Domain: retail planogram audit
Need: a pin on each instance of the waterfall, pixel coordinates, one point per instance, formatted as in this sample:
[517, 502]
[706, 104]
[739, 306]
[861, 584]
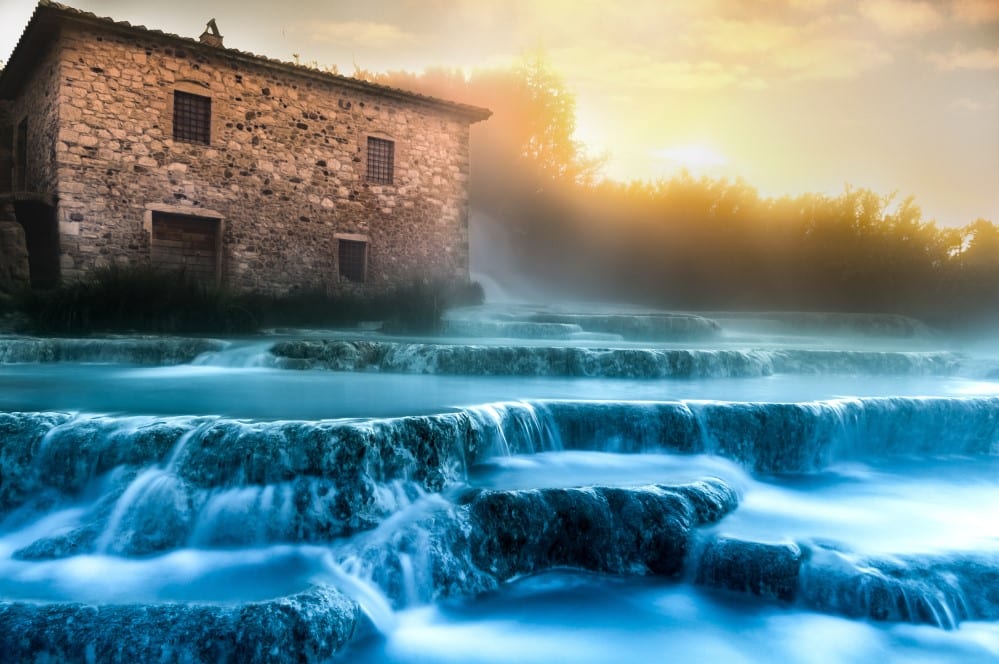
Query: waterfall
[347, 524]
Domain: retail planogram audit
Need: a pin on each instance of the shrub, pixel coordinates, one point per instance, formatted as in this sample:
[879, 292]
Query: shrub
[132, 299]
[143, 299]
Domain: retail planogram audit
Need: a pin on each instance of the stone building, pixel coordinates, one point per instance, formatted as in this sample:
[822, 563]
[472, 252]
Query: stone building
[125, 145]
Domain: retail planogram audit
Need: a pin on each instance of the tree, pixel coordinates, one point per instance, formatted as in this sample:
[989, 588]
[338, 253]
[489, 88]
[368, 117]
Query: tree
[698, 243]
[550, 124]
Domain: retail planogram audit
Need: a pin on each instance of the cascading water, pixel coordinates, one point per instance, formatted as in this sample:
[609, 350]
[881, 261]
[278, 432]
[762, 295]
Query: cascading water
[723, 504]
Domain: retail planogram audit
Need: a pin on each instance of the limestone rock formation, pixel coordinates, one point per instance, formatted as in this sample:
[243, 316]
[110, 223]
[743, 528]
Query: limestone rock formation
[308, 627]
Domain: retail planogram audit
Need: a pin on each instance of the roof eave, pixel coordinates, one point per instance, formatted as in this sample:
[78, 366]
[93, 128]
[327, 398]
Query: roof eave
[18, 66]
[49, 14]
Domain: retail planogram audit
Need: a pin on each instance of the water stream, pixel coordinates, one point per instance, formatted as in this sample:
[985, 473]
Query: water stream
[830, 506]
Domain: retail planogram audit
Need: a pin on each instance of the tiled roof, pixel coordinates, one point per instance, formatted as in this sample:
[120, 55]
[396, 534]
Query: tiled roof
[49, 13]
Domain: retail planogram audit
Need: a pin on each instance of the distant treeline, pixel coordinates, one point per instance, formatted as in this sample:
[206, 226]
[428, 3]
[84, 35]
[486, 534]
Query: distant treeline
[698, 243]
[704, 244]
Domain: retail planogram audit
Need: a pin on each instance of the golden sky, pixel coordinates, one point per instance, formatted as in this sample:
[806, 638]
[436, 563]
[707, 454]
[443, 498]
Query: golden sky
[791, 95]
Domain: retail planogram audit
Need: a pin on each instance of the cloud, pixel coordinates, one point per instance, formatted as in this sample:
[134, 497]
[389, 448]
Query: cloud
[643, 70]
[719, 54]
[976, 11]
[831, 58]
[980, 59]
[754, 83]
[746, 37]
[366, 34]
[771, 9]
[821, 47]
[901, 17]
[969, 105]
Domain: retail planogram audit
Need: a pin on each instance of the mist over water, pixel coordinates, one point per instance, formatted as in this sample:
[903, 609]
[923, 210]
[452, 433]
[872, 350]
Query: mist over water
[493, 257]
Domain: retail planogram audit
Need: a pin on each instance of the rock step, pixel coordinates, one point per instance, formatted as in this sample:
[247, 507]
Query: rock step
[150, 351]
[633, 363]
[483, 540]
[936, 589]
[55, 454]
[308, 627]
[487, 537]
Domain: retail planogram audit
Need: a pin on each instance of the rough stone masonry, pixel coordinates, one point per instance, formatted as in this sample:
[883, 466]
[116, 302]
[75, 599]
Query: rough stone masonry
[130, 146]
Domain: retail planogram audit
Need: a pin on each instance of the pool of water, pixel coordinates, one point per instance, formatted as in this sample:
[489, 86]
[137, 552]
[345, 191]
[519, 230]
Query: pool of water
[572, 617]
[264, 393]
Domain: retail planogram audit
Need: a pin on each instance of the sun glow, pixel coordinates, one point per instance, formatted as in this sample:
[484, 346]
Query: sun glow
[698, 159]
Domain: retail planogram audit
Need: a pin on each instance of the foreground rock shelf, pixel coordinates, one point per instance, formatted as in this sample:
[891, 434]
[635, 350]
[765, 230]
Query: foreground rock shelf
[487, 539]
[309, 627]
[289, 541]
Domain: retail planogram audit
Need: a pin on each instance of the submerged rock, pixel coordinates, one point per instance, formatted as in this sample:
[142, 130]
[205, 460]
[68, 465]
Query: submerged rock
[935, 589]
[623, 531]
[940, 589]
[308, 627]
[765, 570]
[490, 536]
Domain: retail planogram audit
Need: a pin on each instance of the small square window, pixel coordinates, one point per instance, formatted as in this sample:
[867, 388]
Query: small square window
[381, 160]
[353, 256]
[192, 118]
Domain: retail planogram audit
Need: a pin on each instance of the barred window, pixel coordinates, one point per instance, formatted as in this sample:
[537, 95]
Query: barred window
[192, 118]
[353, 256]
[381, 158]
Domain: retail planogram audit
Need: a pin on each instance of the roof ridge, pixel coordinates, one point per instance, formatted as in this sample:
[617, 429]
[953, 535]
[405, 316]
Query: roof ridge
[475, 113]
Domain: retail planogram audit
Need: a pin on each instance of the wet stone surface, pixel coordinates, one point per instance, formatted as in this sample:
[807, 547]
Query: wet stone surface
[309, 627]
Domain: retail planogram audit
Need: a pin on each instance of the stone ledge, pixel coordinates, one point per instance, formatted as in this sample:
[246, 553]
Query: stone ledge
[309, 627]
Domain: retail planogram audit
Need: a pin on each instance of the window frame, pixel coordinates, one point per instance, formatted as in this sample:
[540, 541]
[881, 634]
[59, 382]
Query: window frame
[379, 165]
[348, 270]
[204, 134]
[208, 219]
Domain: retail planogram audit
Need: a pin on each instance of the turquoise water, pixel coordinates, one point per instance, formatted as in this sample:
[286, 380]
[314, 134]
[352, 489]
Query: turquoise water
[222, 482]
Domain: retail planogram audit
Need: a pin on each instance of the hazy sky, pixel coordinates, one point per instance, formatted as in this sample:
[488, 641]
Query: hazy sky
[792, 95]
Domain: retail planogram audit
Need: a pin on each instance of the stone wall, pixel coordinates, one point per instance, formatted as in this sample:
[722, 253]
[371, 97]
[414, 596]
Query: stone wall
[284, 171]
[38, 103]
[6, 148]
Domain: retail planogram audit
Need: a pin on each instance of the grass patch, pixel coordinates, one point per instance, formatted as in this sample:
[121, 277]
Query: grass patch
[142, 299]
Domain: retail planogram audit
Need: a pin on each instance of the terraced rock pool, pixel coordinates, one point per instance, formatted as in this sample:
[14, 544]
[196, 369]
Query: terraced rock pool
[747, 501]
